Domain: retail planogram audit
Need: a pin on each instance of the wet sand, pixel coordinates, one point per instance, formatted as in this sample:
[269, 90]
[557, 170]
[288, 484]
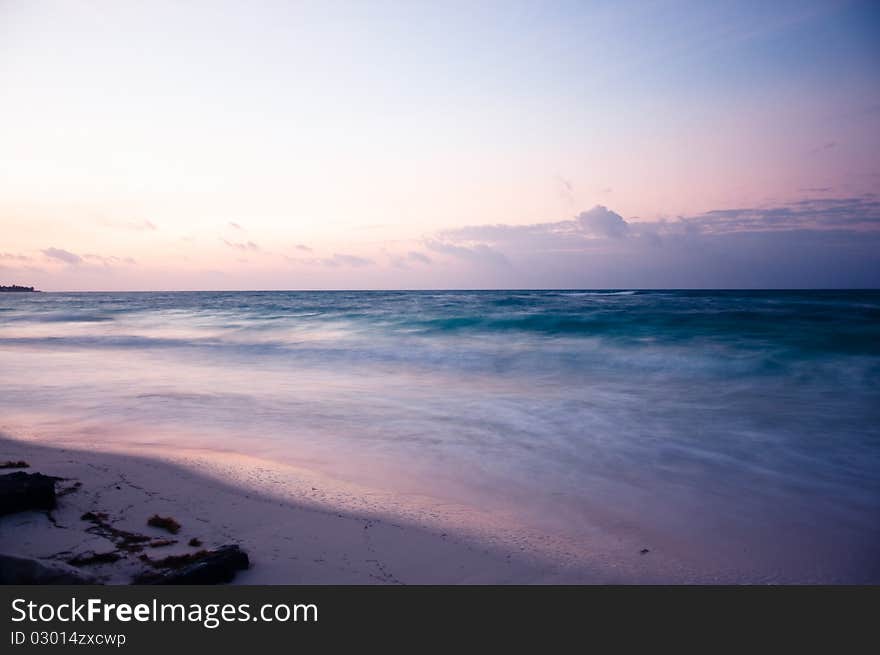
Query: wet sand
[221, 500]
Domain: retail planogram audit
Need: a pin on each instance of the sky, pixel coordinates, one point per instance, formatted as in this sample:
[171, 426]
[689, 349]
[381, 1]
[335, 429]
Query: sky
[312, 145]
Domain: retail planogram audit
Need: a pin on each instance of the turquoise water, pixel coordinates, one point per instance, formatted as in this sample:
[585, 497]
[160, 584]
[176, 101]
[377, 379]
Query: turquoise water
[738, 432]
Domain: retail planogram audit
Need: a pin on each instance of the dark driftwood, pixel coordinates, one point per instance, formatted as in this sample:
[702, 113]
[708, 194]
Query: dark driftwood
[205, 567]
[21, 491]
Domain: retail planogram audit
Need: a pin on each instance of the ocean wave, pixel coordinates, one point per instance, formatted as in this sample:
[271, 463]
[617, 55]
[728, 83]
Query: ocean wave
[59, 317]
[578, 294]
[691, 412]
[727, 326]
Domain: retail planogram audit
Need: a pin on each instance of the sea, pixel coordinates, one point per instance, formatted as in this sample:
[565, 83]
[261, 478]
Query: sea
[732, 435]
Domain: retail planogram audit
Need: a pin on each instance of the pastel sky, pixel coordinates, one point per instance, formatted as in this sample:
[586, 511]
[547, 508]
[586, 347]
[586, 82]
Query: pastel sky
[282, 145]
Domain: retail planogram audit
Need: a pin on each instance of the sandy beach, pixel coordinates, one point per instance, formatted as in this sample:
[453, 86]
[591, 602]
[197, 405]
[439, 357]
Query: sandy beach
[318, 540]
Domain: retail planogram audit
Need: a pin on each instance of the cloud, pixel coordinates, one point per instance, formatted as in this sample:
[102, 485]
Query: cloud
[418, 257]
[245, 246]
[412, 257]
[109, 261]
[131, 224]
[15, 257]
[346, 260]
[479, 253]
[63, 255]
[804, 243]
[15, 264]
[596, 224]
[861, 212]
[86, 259]
[600, 226]
[603, 222]
[811, 241]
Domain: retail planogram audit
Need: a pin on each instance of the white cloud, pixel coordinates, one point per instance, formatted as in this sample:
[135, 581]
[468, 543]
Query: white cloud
[479, 253]
[339, 259]
[63, 255]
[602, 222]
[245, 246]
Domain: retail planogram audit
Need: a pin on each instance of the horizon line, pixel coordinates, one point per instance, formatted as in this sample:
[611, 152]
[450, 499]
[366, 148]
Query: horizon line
[457, 289]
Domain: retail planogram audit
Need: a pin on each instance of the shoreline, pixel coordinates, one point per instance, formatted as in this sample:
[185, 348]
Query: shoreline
[301, 527]
[227, 499]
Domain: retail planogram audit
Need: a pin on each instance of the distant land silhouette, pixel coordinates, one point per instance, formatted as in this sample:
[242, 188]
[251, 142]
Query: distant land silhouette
[15, 287]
